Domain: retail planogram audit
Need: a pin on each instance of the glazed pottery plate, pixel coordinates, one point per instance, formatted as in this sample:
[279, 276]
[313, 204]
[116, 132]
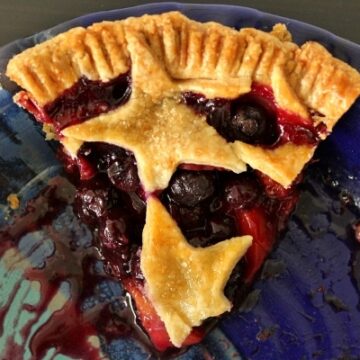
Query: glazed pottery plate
[305, 304]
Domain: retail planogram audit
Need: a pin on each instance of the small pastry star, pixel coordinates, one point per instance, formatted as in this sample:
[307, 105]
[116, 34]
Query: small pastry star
[185, 283]
[160, 130]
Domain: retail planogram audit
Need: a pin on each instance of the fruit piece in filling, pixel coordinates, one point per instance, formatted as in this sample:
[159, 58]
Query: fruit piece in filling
[255, 118]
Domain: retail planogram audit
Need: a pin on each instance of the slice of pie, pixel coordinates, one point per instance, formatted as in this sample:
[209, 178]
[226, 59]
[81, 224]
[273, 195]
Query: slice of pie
[186, 142]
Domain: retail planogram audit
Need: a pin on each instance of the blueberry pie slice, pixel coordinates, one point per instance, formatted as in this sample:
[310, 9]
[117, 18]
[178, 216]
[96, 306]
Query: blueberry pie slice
[186, 142]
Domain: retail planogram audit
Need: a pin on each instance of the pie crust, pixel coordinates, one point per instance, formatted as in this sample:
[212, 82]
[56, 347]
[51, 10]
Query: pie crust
[159, 145]
[186, 284]
[209, 58]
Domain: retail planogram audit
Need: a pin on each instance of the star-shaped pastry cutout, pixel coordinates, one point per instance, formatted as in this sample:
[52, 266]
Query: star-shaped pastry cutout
[154, 124]
[185, 284]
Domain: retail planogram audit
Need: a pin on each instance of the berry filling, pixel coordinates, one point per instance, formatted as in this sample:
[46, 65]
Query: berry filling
[84, 100]
[209, 206]
[255, 118]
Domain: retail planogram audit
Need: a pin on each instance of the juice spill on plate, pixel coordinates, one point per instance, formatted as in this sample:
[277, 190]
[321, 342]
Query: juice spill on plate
[66, 299]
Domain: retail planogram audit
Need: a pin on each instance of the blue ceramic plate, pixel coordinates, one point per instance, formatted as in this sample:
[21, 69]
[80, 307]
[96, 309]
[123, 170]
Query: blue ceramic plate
[305, 304]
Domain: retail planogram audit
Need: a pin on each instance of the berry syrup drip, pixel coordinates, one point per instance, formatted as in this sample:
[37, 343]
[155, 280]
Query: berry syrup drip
[255, 118]
[84, 100]
[68, 277]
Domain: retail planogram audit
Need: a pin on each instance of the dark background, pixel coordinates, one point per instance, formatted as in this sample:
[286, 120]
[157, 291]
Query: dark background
[21, 18]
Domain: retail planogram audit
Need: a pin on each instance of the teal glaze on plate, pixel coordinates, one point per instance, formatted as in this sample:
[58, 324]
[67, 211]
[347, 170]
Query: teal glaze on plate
[296, 316]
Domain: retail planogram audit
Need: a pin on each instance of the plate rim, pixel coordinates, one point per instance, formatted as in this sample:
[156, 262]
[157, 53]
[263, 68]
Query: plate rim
[168, 6]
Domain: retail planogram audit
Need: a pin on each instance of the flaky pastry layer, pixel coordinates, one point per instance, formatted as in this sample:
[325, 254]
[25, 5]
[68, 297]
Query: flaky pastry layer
[231, 60]
[207, 58]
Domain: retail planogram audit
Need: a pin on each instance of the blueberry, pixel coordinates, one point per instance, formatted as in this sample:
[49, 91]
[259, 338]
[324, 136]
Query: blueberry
[189, 188]
[242, 191]
[112, 231]
[219, 117]
[247, 122]
[188, 218]
[124, 175]
[222, 228]
[138, 205]
[216, 204]
[92, 200]
[217, 228]
[108, 154]
[95, 201]
[119, 164]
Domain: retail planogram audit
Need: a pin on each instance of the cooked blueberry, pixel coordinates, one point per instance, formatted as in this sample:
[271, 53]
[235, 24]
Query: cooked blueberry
[92, 200]
[108, 154]
[95, 201]
[124, 175]
[217, 228]
[189, 188]
[219, 117]
[246, 122]
[137, 203]
[188, 218]
[222, 228]
[216, 204]
[117, 259]
[105, 160]
[112, 232]
[102, 155]
[119, 164]
[242, 191]
[249, 121]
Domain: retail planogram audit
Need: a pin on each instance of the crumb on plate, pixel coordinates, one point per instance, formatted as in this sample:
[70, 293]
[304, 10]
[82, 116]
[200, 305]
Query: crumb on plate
[13, 201]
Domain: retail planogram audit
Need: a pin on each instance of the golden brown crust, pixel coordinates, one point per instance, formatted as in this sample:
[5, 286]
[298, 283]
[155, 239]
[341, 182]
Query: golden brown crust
[185, 284]
[283, 163]
[189, 51]
[323, 82]
[163, 137]
[189, 56]
[46, 70]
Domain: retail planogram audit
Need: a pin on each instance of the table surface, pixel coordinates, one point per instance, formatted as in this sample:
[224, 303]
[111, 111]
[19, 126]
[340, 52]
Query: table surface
[21, 18]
